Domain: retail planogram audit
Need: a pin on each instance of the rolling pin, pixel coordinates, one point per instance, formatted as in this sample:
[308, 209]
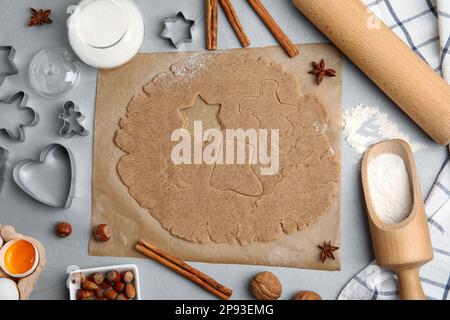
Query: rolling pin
[386, 60]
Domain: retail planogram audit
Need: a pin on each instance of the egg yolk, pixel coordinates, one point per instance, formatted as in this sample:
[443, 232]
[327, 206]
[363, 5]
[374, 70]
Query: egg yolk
[20, 257]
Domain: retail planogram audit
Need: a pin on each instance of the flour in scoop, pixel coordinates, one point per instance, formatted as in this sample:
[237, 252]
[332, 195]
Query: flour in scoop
[390, 188]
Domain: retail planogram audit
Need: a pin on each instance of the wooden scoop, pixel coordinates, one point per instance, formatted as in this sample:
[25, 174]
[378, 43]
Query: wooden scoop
[404, 247]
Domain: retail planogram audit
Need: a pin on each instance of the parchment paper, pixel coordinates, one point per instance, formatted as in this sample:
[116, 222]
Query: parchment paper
[112, 204]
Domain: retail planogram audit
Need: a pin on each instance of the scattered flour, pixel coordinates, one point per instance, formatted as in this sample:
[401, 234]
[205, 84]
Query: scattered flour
[365, 126]
[189, 69]
[192, 64]
[390, 188]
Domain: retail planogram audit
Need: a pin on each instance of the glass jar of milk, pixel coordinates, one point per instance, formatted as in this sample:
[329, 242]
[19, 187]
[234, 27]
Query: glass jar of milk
[105, 33]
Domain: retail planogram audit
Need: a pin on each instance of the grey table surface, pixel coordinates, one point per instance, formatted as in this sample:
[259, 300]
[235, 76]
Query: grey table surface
[37, 220]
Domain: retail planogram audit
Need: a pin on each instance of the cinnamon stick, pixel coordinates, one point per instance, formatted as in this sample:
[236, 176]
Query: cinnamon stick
[235, 22]
[184, 269]
[268, 20]
[211, 24]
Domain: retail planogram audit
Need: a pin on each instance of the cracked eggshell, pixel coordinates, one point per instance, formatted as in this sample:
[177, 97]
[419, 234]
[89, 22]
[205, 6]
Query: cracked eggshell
[8, 289]
[1, 241]
[3, 254]
[27, 284]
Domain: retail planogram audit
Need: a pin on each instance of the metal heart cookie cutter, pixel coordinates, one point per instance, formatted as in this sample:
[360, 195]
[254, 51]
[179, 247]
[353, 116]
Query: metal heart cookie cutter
[51, 179]
[3, 160]
[72, 118]
[22, 107]
[178, 30]
[11, 55]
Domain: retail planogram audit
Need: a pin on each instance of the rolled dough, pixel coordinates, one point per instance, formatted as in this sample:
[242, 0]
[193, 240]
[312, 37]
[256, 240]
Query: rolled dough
[228, 203]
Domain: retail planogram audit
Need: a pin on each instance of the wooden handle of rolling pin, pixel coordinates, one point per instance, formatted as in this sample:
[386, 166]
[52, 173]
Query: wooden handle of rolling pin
[385, 59]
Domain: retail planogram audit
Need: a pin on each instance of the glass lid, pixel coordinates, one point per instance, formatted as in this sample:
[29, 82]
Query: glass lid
[53, 73]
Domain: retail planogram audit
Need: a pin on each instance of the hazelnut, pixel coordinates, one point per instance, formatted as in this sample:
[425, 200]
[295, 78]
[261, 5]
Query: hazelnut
[98, 278]
[113, 276]
[85, 295]
[99, 293]
[63, 229]
[307, 295]
[110, 294]
[130, 291]
[119, 287]
[78, 277]
[128, 276]
[265, 286]
[121, 297]
[89, 285]
[106, 285]
[102, 233]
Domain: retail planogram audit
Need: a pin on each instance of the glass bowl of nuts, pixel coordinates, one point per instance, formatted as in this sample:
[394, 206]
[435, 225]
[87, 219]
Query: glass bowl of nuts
[105, 283]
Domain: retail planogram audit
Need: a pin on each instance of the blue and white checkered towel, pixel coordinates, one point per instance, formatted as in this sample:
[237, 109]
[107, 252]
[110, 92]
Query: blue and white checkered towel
[425, 26]
[443, 10]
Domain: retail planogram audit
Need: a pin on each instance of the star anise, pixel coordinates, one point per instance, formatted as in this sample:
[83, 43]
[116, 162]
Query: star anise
[321, 72]
[40, 17]
[327, 251]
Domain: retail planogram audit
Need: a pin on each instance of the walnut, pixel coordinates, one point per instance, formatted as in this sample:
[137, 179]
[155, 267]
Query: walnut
[265, 286]
[307, 295]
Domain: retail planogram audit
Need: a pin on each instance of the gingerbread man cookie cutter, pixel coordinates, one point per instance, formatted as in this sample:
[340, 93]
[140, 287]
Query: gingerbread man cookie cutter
[68, 130]
[22, 107]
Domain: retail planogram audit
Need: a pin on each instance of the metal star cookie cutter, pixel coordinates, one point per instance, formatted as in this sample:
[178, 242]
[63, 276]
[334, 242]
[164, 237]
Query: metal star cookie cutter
[178, 37]
[3, 159]
[68, 130]
[11, 55]
[22, 106]
[49, 182]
